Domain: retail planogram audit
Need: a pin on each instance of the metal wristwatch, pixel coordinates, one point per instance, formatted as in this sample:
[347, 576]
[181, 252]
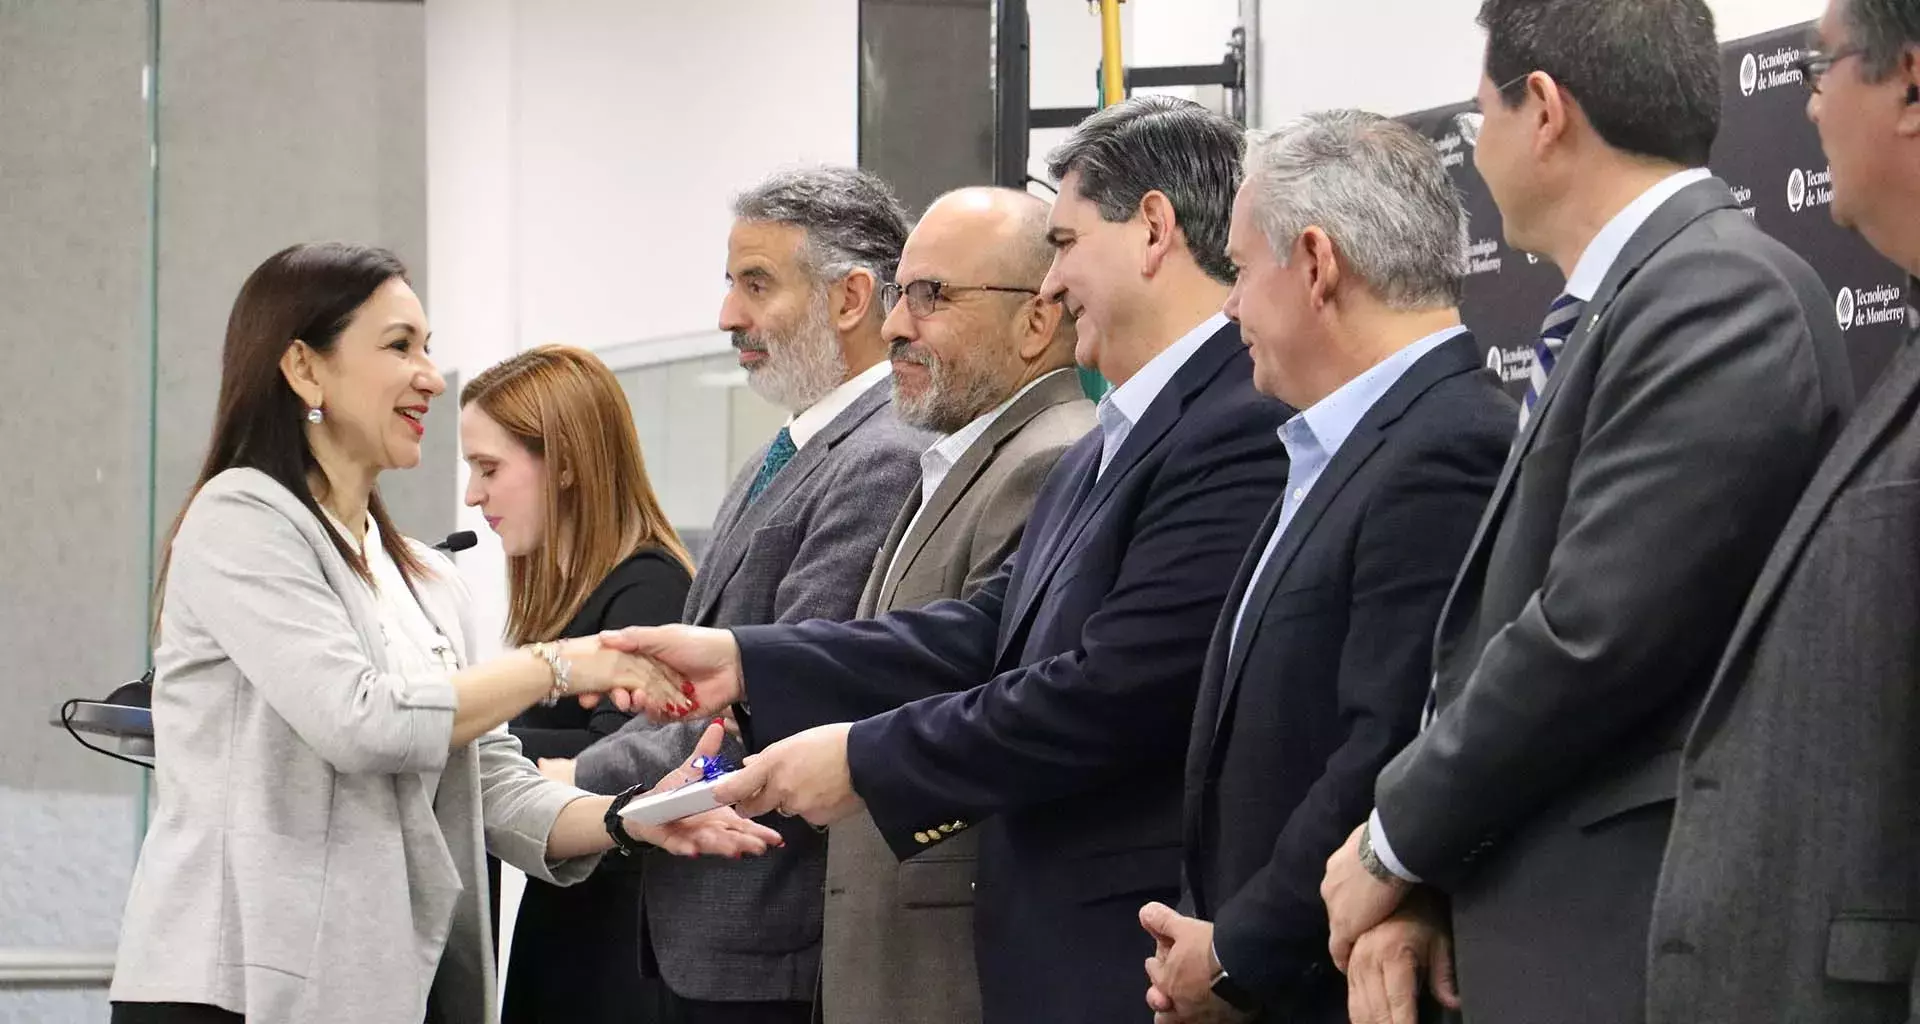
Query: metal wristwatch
[617, 826]
[1370, 858]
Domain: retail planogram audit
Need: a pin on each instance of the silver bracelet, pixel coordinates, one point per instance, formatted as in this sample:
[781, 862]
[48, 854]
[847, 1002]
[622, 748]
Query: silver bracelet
[562, 672]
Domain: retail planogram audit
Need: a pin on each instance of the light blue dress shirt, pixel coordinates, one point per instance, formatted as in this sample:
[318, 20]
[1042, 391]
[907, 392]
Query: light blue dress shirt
[1122, 407]
[1313, 436]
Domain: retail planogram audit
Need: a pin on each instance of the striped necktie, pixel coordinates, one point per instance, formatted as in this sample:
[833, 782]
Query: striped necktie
[1561, 318]
[779, 453]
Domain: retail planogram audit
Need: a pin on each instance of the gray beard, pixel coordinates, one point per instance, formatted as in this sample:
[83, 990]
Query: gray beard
[948, 403]
[803, 366]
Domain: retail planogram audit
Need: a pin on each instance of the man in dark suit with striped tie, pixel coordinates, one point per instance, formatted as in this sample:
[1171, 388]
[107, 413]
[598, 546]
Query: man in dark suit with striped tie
[1694, 376]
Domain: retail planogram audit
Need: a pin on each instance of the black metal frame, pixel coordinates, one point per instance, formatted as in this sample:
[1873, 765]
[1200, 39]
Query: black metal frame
[1229, 74]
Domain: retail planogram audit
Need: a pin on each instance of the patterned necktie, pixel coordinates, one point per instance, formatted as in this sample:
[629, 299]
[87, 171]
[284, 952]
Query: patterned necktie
[1561, 318]
[779, 453]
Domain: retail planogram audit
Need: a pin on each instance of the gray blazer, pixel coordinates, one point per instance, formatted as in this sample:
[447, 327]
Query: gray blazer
[898, 939]
[1791, 888]
[1686, 414]
[749, 929]
[300, 866]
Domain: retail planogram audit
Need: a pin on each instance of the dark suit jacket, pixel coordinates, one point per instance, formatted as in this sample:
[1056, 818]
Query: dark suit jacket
[897, 941]
[1790, 890]
[1684, 417]
[648, 589]
[1329, 673]
[749, 929]
[1079, 663]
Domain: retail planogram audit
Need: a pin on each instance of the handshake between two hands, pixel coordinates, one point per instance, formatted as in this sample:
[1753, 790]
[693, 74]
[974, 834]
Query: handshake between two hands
[677, 673]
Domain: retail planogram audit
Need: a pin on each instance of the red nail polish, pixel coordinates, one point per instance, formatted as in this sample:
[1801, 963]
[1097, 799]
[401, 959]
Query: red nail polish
[719, 721]
[686, 688]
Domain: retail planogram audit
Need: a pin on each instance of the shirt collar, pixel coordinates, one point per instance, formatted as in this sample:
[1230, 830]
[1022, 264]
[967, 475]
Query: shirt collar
[1332, 419]
[1131, 399]
[1604, 250]
[949, 448]
[810, 422]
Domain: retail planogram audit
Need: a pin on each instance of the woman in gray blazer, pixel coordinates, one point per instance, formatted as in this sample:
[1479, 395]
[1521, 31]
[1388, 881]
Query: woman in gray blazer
[332, 759]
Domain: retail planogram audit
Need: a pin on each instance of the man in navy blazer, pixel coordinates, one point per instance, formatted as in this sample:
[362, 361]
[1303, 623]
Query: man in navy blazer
[1051, 709]
[1351, 249]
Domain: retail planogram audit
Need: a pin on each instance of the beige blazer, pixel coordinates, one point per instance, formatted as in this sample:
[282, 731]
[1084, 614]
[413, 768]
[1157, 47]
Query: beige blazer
[898, 937]
[302, 864]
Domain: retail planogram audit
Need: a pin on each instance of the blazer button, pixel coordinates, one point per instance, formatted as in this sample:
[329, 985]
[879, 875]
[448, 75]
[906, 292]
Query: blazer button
[921, 838]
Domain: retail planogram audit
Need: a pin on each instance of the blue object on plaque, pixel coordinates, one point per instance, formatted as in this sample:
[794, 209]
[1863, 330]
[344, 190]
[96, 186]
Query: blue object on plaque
[711, 768]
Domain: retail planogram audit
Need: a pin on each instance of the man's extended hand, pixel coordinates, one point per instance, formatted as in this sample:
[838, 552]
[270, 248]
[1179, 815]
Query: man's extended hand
[1180, 973]
[805, 775]
[1356, 901]
[721, 832]
[1385, 972]
[700, 670]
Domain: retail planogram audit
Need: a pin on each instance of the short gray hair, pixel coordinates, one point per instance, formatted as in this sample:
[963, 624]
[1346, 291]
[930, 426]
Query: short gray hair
[1377, 188]
[851, 218]
[1882, 28]
[1160, 144]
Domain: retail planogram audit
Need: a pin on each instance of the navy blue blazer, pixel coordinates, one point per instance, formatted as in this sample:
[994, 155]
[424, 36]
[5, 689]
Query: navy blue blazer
[1331, 670]
[1061, 693]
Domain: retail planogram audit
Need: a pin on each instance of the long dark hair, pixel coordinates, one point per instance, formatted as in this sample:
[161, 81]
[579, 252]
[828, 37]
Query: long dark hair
[307, 292]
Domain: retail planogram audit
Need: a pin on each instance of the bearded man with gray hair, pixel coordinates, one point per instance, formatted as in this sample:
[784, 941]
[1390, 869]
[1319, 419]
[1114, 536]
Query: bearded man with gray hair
[810, 251]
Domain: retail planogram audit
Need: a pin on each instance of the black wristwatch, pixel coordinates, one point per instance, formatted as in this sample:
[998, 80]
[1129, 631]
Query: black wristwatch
[617, 826]
[1233, 993]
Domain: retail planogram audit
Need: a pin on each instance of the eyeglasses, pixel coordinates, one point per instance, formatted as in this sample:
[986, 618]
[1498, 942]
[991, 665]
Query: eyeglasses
[1813, 65]
[1501, 90]
[923, 295]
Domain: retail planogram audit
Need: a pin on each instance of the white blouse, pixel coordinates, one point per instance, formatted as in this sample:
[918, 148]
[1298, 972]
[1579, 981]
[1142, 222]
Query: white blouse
[414, 647]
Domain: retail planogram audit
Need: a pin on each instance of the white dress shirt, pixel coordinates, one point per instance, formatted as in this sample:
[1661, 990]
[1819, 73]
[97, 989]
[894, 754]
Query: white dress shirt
[936, 462]
[414, 648]
[1122, 407]
[1313, 436]
[803, 427]
[1583, 284]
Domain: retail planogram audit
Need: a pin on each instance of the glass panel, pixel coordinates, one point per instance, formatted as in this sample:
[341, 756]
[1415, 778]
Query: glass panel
[76, 359]
[699, 426]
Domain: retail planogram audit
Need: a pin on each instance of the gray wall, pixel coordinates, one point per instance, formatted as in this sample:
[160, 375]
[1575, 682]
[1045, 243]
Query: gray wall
[73, 427]
[278, 122]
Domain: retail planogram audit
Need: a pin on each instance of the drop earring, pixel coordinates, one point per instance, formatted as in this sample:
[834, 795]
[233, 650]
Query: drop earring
[315, 416]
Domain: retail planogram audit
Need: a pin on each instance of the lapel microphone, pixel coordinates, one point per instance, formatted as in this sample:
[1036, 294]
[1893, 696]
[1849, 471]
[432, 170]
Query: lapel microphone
[458, 541]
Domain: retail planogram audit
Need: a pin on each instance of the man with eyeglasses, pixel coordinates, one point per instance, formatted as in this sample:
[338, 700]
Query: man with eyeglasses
[1688, 382]
[1055, 702]
[981, 359]
[1789, 890]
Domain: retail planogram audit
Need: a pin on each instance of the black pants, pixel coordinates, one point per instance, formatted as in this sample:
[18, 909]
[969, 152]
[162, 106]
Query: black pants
[173, 1013]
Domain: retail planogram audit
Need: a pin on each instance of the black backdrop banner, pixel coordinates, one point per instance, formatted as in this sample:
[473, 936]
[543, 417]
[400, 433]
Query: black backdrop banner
[1768, 153]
